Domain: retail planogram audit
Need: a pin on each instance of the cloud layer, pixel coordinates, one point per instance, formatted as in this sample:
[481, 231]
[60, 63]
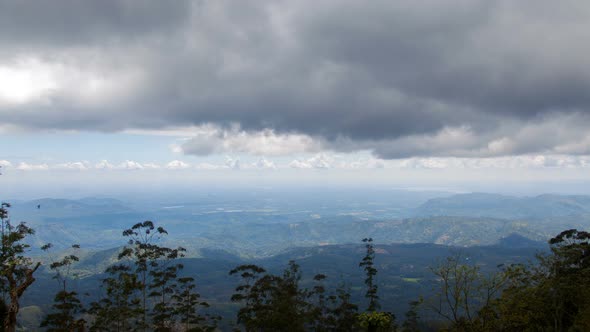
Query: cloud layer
[319, 162]
[398, 78]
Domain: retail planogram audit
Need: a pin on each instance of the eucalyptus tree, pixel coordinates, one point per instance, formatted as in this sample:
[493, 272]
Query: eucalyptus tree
[16, 269]
[271, 302]
[145, 285]
[67, 306]
[120, 307]
[156, 271]
[372, 319]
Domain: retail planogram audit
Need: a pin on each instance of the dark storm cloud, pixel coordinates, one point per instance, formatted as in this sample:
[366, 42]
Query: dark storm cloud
[401, 78]
[64, 23]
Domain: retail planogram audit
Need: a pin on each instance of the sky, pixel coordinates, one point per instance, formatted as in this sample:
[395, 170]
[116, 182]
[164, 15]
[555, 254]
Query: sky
[461, 94]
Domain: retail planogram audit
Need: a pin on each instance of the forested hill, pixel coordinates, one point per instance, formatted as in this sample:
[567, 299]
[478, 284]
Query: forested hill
[404, 272]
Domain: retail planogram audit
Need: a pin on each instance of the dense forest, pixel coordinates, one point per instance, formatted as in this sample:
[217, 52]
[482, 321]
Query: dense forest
[146, 290]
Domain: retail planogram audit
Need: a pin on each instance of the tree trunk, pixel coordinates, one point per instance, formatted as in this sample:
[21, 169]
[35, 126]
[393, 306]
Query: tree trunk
[10, 320]
[16, 291]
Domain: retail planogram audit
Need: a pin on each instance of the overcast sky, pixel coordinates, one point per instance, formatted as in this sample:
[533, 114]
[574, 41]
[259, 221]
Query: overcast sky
[276, 86]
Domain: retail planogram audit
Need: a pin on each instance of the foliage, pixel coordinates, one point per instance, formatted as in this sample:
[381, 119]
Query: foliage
[120, 309]
[272, 302]
[368, 263]
[553, 295]
[464, 291]
[411, 323]
[372, 319]
[154, 268]
[67, 305]
[376, 321]
[278, 303]
[186, 304]
[16, 272]
[343, 313]
[144, 291]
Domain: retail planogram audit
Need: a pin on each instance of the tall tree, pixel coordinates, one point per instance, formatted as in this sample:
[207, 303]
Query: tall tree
[343, 312]
[411, 323]
[373, 319]
[144, 290]
[459, 288]
[67, 306]
[368, 264]
[17, 270]
[271, 302]
[187, 303]
[155, 269]
[120, 309]
[465, 293]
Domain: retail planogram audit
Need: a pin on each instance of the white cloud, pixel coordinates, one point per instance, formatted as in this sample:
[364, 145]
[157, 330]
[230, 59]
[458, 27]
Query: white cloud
[264, 163]
[104, 164]
[320, 161]
[151, 166]
[5, 163]
[299, 164]
[232, 163]
[324, 161]
[130, 165]
[208, 166]
[32, 167]
[177, 164]
[79, 165]
[27, 80]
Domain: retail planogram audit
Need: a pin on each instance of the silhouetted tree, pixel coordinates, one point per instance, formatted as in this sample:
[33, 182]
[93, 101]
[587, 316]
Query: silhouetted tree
[343, 313]
[120, 309]
[187, 302]
[16, 273]
[411, 323]
[368, 263]
[145, 286]
[151, 264]
[372, 319]
[271, 302]
[67, 305]
[553, 295]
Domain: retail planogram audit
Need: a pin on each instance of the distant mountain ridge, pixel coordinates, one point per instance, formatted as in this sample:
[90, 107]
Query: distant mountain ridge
[458, 220]
[60, 207]
[506, 207]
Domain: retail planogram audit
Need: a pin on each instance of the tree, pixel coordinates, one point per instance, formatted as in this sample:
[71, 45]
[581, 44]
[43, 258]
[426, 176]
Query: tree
[162, 288]
[17, 270]
[551, 295]
[120, 308]
[458, 289]
[343, 313]
[277, 302]
[368, 263]
[273, 303]
[187, 303]
[152, 264]
[318, 311]
[329, 312]
[411, 323]
[372, 319]
[67, 305]
[144, 291]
